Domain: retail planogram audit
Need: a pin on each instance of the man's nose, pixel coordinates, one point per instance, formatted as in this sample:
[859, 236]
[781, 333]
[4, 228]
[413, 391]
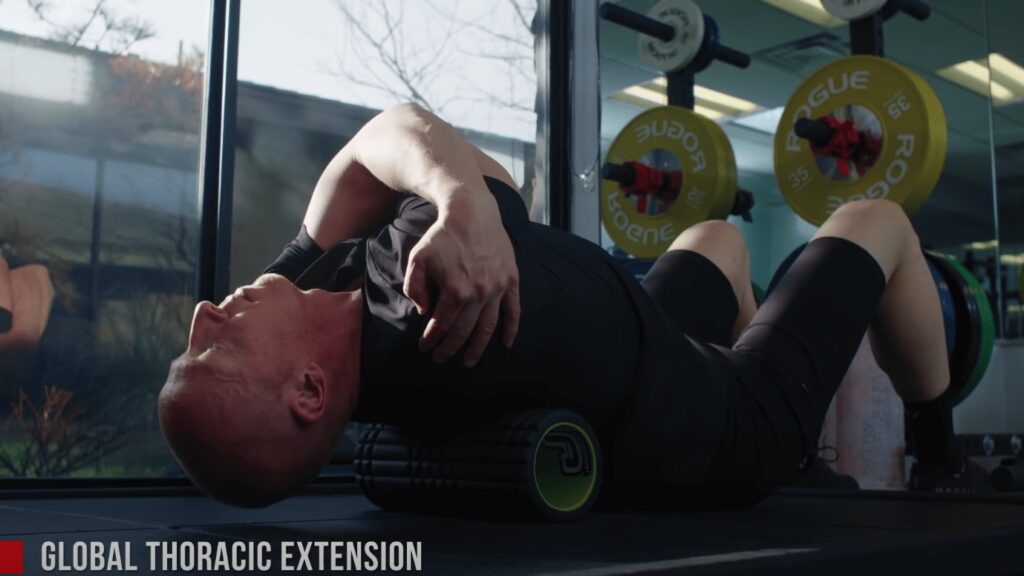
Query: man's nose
[205, 320]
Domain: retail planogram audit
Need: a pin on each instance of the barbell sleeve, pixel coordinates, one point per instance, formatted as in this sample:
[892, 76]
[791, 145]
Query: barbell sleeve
[916, 9]
[637, 21]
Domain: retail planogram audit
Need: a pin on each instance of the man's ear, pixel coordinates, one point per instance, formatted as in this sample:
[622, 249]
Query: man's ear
[308, 398]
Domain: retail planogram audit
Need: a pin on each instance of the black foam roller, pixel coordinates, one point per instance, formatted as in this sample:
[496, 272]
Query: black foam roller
[536, 464]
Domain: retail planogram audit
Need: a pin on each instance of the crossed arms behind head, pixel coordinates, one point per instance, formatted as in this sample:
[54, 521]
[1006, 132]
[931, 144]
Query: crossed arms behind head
[463, 271]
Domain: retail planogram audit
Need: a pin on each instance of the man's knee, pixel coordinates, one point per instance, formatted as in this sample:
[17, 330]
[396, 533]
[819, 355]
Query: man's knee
[884, 218]
[879, 226]
[872, 213]
[723, 244]
[709, 235]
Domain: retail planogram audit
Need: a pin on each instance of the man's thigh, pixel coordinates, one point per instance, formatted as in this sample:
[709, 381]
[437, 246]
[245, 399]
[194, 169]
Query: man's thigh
[694, 294]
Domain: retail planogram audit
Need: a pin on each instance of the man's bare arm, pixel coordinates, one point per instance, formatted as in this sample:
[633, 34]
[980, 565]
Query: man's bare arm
[403, 148]
[465, 257]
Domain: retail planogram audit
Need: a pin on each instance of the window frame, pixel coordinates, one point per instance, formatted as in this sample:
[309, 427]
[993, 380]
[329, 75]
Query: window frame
[217, 164]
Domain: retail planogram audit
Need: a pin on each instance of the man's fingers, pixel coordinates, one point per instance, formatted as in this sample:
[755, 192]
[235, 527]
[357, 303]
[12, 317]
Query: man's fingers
[449, 307]
[415, 285]
[485, 326]
[458, 334]
[510, 311]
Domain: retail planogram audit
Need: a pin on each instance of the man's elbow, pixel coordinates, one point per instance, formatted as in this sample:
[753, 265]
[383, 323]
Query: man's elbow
[408, 117]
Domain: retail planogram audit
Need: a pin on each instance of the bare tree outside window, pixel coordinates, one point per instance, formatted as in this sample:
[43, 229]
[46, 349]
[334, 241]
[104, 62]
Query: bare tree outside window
[98, 27]
[432, 52]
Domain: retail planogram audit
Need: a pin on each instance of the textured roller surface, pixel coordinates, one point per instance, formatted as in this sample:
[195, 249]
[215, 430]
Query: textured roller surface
[532, 464]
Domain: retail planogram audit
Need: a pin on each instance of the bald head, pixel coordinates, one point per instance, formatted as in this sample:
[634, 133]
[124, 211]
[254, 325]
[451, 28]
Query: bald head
[237, 439]
[254, 407]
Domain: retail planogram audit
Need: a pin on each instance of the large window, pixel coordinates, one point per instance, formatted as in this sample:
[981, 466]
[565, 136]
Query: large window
[309, 79]
[101, 105]
[100, 112]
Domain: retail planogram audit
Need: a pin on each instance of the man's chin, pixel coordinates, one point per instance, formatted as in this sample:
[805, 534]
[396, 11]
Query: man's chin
[270, 283]
[268, 278]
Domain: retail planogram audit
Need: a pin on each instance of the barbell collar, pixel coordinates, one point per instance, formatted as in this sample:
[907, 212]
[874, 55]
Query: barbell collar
[742, 205]
[814, 131]
[622, 173]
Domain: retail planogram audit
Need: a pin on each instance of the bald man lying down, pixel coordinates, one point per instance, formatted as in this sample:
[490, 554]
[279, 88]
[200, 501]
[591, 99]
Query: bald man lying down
[418, 292]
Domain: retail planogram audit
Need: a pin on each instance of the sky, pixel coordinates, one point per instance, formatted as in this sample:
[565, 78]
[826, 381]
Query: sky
[471, 60]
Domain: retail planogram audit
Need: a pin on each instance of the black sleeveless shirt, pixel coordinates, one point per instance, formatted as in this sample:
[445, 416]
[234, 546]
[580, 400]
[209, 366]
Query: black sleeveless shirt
[590, 340]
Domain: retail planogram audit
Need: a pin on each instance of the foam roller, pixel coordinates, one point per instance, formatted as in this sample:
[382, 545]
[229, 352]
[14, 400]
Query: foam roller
[536, 464]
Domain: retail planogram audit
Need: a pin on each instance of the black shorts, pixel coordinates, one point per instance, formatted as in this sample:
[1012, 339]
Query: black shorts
[787, 363]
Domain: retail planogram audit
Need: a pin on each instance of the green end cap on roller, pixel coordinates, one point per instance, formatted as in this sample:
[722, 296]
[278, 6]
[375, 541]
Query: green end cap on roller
[565, 467]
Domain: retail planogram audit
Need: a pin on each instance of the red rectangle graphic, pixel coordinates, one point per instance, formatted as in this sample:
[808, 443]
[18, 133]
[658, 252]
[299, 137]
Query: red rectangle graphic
[11, 556]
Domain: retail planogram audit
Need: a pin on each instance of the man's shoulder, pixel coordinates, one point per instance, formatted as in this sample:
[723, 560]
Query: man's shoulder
[414, 214]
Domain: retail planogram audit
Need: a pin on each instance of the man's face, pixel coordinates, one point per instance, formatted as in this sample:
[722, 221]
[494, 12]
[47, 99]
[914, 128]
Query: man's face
[248, 333]
[232, 408]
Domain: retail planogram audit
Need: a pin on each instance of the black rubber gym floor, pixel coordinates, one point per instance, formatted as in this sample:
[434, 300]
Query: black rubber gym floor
[793, 532]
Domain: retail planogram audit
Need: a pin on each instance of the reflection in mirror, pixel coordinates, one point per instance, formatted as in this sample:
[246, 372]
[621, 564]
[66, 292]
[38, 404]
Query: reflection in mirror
[789, 40]
[1006, 83]
[664, 170]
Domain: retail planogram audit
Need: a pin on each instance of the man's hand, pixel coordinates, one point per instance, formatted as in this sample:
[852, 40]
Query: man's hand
[463, 271]
[31, 301]
[467, 257]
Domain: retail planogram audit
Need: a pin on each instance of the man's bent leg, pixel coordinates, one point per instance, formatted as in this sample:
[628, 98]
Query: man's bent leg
[863, 265]
[907, 334]
[678, 275]
[790, 360]
[908, 340]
